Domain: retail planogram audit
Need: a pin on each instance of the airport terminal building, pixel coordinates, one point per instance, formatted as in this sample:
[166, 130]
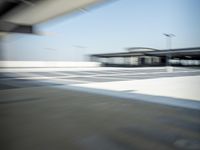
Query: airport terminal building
[141, 56]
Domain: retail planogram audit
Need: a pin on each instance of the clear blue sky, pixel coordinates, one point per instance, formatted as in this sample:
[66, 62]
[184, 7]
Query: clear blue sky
[111, 28]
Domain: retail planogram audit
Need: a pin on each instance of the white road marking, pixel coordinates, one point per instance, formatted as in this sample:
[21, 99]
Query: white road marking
[177, 87]
[108, 76]
[165, 90]
[73, 69]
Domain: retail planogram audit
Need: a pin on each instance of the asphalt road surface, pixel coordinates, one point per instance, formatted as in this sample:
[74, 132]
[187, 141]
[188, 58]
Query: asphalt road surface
[36, 115]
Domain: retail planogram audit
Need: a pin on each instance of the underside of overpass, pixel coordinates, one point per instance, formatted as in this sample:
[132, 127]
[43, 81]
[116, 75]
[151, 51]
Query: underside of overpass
[21, 15]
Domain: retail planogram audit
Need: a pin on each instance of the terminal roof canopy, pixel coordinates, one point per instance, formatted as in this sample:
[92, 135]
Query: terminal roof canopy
[141, 49]
[193, 52]
[133, 51]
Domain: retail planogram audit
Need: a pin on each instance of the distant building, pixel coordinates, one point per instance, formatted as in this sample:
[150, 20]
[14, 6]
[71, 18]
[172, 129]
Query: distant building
[142, 56]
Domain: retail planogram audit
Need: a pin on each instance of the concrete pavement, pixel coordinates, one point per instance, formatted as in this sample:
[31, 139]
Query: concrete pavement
[42, 114]
[55, 119]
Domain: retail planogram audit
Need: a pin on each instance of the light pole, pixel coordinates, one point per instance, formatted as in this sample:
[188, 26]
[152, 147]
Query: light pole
[169, 46]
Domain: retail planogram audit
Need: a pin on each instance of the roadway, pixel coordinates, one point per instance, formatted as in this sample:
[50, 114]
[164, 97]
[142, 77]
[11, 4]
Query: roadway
[42, 110]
